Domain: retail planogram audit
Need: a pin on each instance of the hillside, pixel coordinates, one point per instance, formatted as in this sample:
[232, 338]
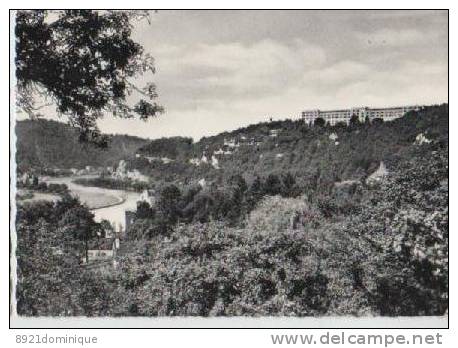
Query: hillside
[277, 246]
[50, 144]
[314, 155]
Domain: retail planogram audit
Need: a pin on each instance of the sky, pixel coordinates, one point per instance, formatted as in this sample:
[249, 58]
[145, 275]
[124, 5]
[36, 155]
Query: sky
[221, 70]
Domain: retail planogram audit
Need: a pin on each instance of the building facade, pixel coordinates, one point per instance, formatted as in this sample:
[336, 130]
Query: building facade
[101, 249]
[344, 115]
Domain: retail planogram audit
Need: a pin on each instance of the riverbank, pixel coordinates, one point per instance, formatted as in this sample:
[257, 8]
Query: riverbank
[121, 201]
[106, 204]
[92, 197]
[111, 183]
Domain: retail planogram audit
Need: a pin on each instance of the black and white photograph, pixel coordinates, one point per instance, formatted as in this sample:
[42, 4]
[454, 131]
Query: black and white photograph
[229, 165]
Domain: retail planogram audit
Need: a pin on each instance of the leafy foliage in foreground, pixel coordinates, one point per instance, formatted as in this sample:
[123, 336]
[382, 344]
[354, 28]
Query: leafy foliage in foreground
[51, 243]
[387, 258]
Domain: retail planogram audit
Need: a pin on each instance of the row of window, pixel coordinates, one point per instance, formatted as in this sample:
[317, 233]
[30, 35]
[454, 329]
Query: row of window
[347, 116]
[397, 112]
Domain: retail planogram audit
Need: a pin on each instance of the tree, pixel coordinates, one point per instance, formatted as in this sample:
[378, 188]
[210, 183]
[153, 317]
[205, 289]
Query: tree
[255, 192]
[79, 223]
[169, 204]
[35, 181]
[106, 228]
[340, 125]
[44, 286]
[239, 188]
[84, 61]
[272, 185]
[50, 277]
[238, 182]
[144, 210]
[354, 120]
[377, 121]
[202, 207]
[289, 186]
[319, 122]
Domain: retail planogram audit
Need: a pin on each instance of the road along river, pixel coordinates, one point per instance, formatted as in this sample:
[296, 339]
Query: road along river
[104, 203]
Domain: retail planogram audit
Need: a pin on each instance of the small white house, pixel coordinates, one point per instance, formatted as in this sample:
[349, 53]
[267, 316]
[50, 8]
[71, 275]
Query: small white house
[102, 249]
[202, 182]
[166, 160]
[204, 159]
[195, 161]
[421, 139]
[333, 136]
[148, 196]
[230, 143]
[215, 162]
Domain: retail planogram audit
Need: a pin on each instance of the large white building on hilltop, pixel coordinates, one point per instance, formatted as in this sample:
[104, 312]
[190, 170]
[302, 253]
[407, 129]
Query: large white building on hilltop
[335, 116]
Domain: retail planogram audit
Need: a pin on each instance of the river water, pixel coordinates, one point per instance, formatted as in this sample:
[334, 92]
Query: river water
[96, 198]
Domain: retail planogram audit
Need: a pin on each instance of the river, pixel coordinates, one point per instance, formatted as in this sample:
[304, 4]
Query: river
[104, 203]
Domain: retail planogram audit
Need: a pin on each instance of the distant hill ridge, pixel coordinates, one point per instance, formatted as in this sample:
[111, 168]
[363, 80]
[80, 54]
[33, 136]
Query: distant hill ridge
[315, 155]
[49, 144]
